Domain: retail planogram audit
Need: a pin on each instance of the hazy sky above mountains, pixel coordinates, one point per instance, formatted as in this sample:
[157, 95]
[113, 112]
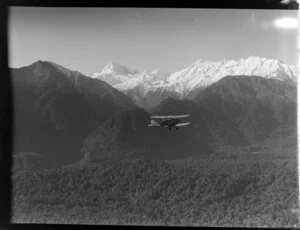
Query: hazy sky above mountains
[86, 39]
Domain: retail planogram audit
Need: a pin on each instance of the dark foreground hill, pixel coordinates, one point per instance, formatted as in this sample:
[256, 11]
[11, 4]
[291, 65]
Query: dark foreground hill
[127, 134]
[206, 128]
[55, 109]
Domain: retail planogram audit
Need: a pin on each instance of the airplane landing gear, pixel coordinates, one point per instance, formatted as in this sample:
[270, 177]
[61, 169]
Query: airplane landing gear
[170, 127]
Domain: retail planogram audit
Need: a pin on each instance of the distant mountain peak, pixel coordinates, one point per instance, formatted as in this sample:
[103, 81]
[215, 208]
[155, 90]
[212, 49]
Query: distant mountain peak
[155, 71]
[116, 68]
[38, 63]
[186, 83]
[114, 73]
[113, 65]
[41, 65]
[43, 62]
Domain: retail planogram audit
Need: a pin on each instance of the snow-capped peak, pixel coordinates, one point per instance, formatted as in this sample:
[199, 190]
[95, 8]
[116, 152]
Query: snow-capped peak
[115, 68]
[114, 73]
[203, 73]
[155, 71]
[187, 82]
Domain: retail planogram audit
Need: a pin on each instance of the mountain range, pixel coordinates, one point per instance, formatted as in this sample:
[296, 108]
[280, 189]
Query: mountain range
[236, 111]
[63, 116]
[148, 89]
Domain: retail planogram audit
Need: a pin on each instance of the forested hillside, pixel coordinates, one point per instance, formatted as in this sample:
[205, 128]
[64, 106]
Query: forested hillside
[236, 188]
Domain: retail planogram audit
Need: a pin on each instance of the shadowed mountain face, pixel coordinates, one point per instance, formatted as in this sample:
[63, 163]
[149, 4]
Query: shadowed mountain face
[55, 109]
[206, 127]
[237, 110]
[255, 107]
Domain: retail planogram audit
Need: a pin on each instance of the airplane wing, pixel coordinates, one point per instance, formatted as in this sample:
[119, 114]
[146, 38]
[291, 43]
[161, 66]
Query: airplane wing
[180, 116]
[167, 117]
[161, 117]
[183, 124]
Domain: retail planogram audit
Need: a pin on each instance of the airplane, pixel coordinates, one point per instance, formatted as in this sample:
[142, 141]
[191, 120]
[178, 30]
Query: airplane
[168, 121]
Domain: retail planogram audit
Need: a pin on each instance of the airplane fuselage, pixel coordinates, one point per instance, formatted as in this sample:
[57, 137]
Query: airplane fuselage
[169, 122]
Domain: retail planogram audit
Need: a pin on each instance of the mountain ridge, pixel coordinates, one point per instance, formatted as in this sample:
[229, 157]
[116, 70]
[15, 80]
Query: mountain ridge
[143, 87]
[55, 108]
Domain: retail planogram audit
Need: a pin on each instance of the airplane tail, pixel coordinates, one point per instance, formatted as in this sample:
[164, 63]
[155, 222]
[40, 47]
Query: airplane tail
[153, 123]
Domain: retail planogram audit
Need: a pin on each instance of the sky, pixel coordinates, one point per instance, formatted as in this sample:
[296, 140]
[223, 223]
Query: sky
[87, 39]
